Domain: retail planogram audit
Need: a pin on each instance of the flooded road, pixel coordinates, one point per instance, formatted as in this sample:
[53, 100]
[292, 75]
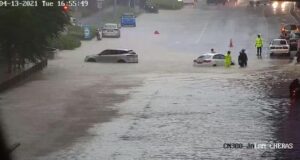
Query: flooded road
[184, 116]
[163, 107]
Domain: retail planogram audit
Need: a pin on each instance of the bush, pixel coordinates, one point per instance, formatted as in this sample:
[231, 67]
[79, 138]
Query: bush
[168, 4]
[72, 39]
[75, 31]
[65, 42]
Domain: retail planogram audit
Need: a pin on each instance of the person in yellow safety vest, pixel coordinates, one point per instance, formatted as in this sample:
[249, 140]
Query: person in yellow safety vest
[228, 59]
[258, 45]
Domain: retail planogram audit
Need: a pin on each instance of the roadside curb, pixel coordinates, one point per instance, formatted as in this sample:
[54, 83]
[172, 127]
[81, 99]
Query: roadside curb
[12, 81]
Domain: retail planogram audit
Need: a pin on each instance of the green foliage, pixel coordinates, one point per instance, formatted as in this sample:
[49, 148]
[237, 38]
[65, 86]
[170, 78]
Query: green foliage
[25, 30]
[168, 4]
[71, 40]
[75, 31]
[65, 42]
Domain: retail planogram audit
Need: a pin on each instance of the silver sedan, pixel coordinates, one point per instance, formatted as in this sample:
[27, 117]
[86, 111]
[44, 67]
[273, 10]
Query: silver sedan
[114, 55]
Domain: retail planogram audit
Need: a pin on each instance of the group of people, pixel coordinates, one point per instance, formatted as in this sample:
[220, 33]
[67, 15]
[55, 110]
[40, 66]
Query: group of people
[243, 58]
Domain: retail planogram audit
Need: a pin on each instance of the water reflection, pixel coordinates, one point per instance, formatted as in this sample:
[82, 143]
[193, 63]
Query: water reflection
[285, 113]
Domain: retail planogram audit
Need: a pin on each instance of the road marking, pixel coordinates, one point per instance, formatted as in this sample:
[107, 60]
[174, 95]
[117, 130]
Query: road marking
[201, 33]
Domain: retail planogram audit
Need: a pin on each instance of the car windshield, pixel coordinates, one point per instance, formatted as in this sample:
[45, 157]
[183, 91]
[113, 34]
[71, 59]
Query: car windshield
[110, 26]
[279, 42]
[296, 35]
[128, 16]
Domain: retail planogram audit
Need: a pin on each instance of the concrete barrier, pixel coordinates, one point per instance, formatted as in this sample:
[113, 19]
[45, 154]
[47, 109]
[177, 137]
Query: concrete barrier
[12, 81]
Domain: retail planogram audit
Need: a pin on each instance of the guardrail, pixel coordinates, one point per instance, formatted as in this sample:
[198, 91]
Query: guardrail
[12, 81]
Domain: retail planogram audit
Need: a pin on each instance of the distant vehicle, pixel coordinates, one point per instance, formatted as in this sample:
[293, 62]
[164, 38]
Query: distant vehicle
[294, 41]
[128, 19]
[287, 29]
[111, 30]
[210, 59]
[188, 1]
[215, 1]
[150, 8]
[259, 2]
[279, 46]
[114, 55]
[295, 35]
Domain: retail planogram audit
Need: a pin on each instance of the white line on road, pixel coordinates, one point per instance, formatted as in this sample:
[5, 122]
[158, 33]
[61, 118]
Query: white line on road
[201, 33]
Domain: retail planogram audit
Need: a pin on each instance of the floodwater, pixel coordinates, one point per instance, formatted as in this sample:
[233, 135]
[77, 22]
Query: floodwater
[163, 107]
[186, 116]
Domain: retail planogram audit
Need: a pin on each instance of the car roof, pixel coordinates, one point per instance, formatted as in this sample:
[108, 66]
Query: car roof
[127, 50]
[279, 39]
[210, 54]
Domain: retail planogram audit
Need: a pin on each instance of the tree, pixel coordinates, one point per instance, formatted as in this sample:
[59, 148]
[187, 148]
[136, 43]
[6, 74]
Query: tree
[24, 31]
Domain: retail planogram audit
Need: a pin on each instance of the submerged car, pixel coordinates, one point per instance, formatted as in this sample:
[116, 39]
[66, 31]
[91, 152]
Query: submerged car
[279, 46]
[114, 55]
[210, 59]
[128, 19]
[111, 30]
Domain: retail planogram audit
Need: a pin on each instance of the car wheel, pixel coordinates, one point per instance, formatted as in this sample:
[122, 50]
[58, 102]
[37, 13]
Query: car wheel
[121, 61]
[271, 54]
[91, 60]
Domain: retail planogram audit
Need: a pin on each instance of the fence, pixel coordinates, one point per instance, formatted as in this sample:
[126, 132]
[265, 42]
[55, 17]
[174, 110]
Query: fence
[12, 81]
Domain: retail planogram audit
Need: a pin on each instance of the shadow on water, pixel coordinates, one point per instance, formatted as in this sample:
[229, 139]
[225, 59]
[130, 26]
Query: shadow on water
[289, 130]
[285, 115]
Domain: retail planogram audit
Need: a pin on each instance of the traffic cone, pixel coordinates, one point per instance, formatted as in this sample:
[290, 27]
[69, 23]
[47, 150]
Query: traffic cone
[230, 43]
[156, 32]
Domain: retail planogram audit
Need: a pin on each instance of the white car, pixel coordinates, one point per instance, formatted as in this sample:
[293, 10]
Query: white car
[210, 59]
[279, 46]
[111, 30]
[114, 55]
